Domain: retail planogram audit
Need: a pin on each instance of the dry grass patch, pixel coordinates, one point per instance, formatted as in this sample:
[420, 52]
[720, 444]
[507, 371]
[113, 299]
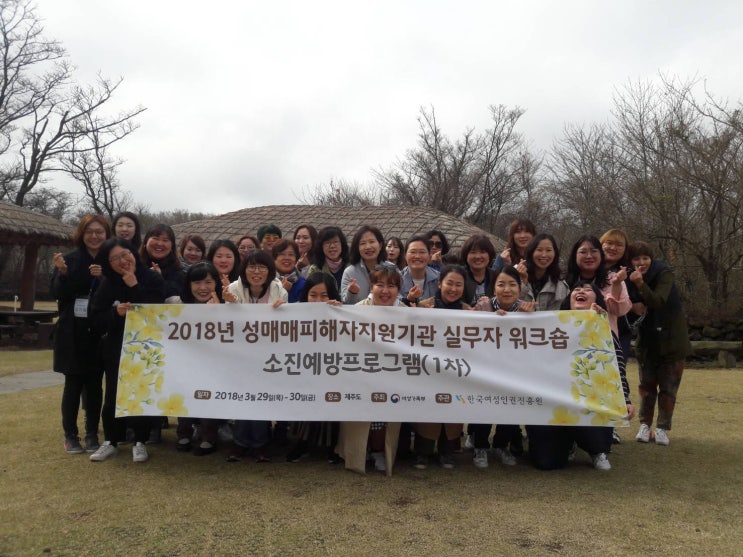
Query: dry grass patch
[675, 500]
[13, 361]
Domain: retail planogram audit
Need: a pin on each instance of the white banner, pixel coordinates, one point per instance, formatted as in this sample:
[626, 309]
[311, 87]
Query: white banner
[320, 362]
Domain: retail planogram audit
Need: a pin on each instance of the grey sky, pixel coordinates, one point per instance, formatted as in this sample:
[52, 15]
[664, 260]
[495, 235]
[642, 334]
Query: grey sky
[249, 103]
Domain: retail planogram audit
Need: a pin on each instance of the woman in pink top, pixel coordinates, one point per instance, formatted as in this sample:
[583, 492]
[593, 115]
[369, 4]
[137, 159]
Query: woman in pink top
[587, 263]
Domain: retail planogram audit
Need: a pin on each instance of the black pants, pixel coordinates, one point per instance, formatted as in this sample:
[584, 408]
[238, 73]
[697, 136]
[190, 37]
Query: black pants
[114, 429]
[90, 386]
[549, 445]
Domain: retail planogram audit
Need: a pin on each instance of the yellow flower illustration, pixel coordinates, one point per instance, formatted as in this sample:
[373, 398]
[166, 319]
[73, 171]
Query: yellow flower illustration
[562, 416]
[172, 406]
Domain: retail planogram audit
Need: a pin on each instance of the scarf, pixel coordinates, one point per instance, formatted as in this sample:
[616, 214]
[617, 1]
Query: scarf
[496, 305]
[334, 266]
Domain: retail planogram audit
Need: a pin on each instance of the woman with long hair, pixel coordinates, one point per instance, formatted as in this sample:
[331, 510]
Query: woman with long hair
[367, 251]
[395, 252]
[520, 232]
[202, 285]
[543, 282]
[318, 288]
[330, 253]
[254, 285]
[75, 279]
[126, 225]
[126, 281]
[550, 445]
[305, 236]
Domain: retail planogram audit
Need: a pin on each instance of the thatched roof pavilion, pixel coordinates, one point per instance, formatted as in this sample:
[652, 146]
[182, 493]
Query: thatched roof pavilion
[25, 228]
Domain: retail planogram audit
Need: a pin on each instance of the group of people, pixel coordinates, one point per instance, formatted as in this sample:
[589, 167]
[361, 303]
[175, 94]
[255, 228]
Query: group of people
[114, 266]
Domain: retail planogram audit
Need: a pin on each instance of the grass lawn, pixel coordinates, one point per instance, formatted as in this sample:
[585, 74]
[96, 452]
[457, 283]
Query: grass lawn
[685, 499]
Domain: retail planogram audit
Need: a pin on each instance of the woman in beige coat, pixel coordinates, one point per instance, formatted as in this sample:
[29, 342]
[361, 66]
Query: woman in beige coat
[380, 437]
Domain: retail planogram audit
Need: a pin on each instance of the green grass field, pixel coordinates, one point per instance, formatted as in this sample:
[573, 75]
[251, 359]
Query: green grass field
[685, 499]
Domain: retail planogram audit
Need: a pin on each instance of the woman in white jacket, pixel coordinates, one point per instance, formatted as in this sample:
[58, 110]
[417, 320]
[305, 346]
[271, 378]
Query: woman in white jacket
[255, 285]
[542, 281]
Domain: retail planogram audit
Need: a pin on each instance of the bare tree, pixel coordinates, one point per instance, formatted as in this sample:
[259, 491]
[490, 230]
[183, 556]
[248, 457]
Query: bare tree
[340, 192]
[474, 177]
[44, 117]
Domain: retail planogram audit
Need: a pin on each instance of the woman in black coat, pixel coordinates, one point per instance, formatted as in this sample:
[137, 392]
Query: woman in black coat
[126, 281]
[75, 278]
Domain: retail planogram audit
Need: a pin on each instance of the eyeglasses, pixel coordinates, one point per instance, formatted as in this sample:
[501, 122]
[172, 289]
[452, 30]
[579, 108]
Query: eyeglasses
[331, 243]
[437, 244]
[116, 258]
[256, 268]
[94, 232]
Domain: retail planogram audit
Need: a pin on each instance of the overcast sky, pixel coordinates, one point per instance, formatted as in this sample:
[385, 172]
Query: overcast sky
[251, 103]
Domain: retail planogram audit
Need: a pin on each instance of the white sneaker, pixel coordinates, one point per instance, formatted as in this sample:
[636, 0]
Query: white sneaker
[481, 458]
[104, 452]
[469, 443]
[379, 462]
[643, 436]
[601, 462]
[661, 437]
[139, 452]
[504, 456]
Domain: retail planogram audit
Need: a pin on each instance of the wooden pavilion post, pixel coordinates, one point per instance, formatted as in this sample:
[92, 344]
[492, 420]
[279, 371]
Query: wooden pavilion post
[28, 277]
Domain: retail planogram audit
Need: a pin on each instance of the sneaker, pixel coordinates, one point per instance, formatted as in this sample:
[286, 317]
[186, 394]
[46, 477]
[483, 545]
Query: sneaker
[601, 462]
[91, 443]
[615, 439]
[334, 457]
[379, 462]
[421, 462]
[480, 459]
[469, 442]
[72, 445]
[504, 456]
[205, 448]
[139, 452]
[446, 461]
[104, 452]
[661, 437]
[183, 445]
[643, 436]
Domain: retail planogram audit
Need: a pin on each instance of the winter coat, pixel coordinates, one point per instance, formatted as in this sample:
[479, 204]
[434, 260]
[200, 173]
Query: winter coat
[75, 345]
[470, 286]
[663, 334]
[358, 272]
[276, 292]
[430, 283]
[549, 298]
[105, 320]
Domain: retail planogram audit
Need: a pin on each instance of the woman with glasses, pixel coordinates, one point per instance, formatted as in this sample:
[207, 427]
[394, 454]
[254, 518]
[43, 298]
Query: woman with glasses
[75, 279]
[126, 281]
[586, 262]
[367, 251]
[255, 285]
[330, 253]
